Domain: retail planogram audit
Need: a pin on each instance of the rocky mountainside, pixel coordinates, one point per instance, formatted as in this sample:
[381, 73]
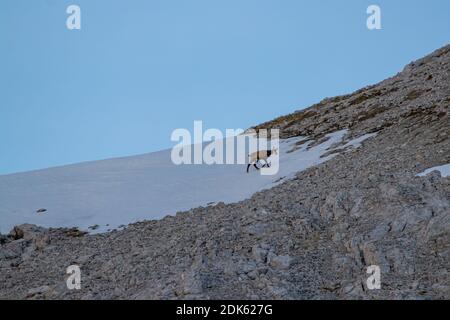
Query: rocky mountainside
[311, 237]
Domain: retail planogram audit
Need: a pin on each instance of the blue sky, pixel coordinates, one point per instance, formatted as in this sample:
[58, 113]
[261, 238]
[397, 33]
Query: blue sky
[138, 69]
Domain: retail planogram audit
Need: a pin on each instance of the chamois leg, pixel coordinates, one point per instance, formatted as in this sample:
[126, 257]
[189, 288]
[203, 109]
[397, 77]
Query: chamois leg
[259, 162]
[266, 164]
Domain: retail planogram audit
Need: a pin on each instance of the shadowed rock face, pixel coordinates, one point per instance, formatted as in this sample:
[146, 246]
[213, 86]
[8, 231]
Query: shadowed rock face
[309, 238]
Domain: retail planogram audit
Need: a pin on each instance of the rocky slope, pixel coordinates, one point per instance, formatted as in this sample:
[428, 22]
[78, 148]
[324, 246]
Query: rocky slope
[308, 238]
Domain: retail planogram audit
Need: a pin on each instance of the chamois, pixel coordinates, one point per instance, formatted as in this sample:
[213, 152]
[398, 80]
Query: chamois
[254, 158]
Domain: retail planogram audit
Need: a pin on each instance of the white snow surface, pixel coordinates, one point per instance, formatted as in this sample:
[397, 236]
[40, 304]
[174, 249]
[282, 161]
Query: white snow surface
[115, 192]
[444, 170]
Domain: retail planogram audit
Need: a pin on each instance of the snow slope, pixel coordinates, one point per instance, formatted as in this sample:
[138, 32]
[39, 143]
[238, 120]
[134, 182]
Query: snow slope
[116, 192]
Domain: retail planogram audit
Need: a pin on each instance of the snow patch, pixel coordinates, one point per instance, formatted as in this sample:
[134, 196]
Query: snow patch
[444, 170]
[108, 194]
